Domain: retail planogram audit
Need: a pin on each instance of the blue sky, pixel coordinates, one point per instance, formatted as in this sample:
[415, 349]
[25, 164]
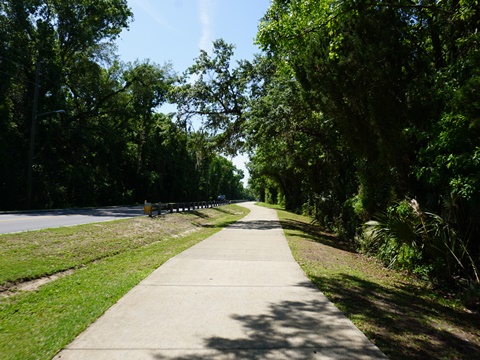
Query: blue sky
[175, 31]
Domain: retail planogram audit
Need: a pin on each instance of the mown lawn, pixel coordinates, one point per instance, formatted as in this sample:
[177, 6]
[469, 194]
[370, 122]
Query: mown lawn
[405, 317]
[106, 259]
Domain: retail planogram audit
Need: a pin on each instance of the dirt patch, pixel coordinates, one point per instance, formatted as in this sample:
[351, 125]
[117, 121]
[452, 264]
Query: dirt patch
[32, 285]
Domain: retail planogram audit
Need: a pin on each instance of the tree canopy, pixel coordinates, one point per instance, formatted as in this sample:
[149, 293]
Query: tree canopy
[391, 86]
[363, 114]
[79, 127]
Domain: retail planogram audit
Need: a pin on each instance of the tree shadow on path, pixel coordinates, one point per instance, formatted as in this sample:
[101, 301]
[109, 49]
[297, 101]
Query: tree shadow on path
[256, 225]
[291, 329]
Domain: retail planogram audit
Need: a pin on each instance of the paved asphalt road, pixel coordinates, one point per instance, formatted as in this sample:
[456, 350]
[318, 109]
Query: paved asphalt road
[40, 220]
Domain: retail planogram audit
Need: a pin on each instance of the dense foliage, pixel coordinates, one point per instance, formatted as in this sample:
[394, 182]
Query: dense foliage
[78, 127]
[388, 92]
[354, 109]
[362, 114]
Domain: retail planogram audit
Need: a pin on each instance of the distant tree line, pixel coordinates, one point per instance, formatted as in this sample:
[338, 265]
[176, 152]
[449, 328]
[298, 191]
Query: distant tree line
[79, 128]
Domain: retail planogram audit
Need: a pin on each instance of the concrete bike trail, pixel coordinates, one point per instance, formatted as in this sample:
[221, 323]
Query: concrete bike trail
[238, 294]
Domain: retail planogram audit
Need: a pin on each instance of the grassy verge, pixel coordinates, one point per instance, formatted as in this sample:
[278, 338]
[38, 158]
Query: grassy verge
[110, 258]
[403, 316]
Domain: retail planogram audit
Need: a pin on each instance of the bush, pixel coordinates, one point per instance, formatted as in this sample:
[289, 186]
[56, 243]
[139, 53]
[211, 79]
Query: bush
[394, 237]
[420, 242]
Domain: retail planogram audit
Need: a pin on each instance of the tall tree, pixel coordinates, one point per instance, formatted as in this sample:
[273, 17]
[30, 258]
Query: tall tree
[216, 92]
[43, 43]
[390, 77]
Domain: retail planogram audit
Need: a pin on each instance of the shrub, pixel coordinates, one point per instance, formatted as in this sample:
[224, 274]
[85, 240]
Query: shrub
[421, 242]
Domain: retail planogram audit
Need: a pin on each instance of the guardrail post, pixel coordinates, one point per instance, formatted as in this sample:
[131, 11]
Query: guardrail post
[147, 208]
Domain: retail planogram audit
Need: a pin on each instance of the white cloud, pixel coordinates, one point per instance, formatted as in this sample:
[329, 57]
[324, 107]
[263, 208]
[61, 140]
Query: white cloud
[205, 8]
[152, 11]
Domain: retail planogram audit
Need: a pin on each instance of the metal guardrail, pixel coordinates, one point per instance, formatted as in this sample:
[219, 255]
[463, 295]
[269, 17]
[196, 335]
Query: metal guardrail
[157, 209]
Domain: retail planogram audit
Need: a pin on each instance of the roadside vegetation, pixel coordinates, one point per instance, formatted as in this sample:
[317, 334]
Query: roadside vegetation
[107, 260]
[404, 316]
[362, 113]
[85, 95]
[353, 113]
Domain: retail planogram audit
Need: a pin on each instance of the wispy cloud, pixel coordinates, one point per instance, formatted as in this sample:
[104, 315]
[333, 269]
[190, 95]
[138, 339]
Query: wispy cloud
[153, 12]
[205, 8]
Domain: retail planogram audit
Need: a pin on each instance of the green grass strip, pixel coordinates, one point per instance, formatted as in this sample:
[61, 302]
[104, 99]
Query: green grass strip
[37, 324]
